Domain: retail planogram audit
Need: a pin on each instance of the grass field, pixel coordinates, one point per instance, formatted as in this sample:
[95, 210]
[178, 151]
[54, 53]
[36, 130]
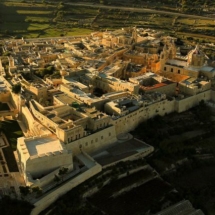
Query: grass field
[37, 20]
[30, 20]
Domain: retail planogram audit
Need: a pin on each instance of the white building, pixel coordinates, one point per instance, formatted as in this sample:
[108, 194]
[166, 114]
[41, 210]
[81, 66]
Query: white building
[40, 156]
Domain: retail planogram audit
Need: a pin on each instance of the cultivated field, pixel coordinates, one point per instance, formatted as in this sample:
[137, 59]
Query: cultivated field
[48, 20]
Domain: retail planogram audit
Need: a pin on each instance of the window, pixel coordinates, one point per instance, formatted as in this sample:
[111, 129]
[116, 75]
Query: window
[179, 71]
[102, 137]
[109, 134]
[171, 69]
[164, 68]
[86, 144]
[91, 141]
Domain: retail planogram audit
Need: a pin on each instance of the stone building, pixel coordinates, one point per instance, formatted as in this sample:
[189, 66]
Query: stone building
[41, 156]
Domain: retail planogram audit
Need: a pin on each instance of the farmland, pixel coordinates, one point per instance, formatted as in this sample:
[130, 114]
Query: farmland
[30, 20]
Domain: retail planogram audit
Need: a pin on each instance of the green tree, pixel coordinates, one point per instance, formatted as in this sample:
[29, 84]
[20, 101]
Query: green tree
[62, 172]
[16, 88]
[56, 178]
[37, 190]
[24, 190]
[10, 206]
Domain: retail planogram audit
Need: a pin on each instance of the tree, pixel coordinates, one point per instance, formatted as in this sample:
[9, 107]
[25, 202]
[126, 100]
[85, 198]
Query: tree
[24, 190]
[7, 53]
[56, 178]
[37, 190]
[10, 206]
[60, 6]
[16, 88]
[62, 172]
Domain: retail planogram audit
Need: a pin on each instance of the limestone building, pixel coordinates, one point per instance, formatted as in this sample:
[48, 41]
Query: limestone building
[112, 81]
[194, 64]
[40, 156]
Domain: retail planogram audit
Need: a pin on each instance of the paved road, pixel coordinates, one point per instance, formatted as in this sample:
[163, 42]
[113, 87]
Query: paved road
[133, 9]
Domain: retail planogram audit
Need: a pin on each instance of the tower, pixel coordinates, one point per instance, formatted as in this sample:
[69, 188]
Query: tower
[172, 50]
[196, 57]
[134, 35]
[163, 56]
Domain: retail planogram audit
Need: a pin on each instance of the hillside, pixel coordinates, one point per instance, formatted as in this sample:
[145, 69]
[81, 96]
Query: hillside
[30, 20]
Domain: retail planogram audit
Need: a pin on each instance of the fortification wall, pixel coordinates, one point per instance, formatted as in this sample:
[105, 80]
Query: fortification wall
[129, 122]
[27, 117]
[5, 97]
[55, 194]
[189, 102]
[94, 141]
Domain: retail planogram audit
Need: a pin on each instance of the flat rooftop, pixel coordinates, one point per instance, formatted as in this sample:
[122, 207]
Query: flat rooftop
[119, 151]
[65, 99]
[42, 145]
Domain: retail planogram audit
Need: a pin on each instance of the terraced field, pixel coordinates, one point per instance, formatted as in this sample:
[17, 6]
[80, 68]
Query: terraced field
[36, 20]
[30, 20]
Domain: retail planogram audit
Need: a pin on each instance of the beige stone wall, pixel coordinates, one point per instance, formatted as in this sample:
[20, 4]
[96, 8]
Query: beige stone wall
[36, 167]
[55, 82]
[210, 75]
[189, 102]
[111, 109]
[56, 193]
[94, 141]
[95, 124]
[111, 86]
[168, 89]
[42, 118]
[111, 58]
[47, 179]
[27, 117]
[178, 70]
[5, 96]
[70, 134]
[193, 90]
[98, 103]
[138, 59]
[48, 57]
[39, 92]
[131, 121]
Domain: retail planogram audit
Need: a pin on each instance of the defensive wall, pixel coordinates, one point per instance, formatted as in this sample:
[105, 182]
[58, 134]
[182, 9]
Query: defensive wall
[166, 88]
[189, 102]
[27, 118]
[93, 142]
[53, 195]
[46, 180]
[5, 96]
[130, 121]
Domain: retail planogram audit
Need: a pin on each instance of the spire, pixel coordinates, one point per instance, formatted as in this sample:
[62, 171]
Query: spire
[196, 50]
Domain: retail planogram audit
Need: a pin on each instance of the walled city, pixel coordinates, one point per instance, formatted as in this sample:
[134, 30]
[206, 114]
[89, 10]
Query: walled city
[77, 98]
